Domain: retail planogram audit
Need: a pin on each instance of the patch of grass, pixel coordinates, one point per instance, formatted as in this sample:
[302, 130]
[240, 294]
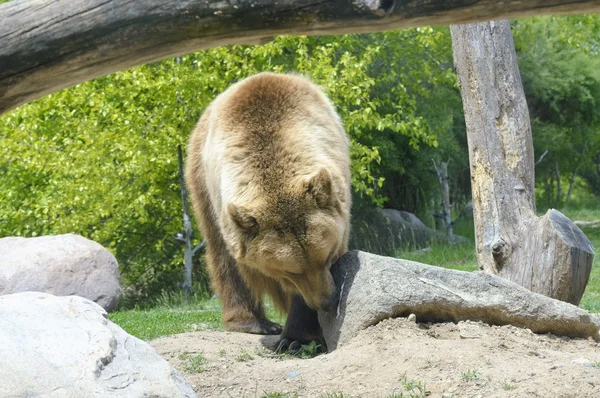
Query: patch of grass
[279, 395]
[244, 356]
[310, 350]
[193, 363]
[332, 395]
[170, 314]
[596, 365]
[470, 375]
[167, 320]
[507, 386]
[410, 389]
[591, 297]
[460, 257]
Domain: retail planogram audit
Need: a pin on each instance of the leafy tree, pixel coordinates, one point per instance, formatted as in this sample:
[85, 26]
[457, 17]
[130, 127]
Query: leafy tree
[559, 58]
[99, 159]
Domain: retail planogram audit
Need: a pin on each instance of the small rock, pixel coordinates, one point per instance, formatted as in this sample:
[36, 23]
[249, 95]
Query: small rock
[412, 318]
[581, 361]
[292, 373]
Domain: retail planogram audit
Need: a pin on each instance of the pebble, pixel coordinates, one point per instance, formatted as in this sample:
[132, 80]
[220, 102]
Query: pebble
[581, 361]
[412, 318]
[292, 373]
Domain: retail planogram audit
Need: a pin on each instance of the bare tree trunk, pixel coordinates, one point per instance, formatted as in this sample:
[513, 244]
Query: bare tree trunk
[186, 236]
[574, 174]
[558, 182]
[442, 174]
[548, 255]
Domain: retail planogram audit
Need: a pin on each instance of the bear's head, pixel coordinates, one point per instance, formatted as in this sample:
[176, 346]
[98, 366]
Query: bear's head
[293, 236]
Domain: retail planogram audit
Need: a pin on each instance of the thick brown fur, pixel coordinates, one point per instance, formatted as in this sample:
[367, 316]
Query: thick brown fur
[268, 172]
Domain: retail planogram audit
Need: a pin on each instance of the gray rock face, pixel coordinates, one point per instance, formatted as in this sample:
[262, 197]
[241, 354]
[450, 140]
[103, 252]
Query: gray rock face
[373, 288]
[65, 347]
[62, 265]
[384, 231]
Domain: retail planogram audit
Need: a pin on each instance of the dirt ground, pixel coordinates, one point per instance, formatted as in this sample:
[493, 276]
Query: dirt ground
[450, 360]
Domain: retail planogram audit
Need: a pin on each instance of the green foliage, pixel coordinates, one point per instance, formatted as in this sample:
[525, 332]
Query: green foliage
[559, 59]
[164, 321]
[470, 375]
[244, 356]
[99, 159]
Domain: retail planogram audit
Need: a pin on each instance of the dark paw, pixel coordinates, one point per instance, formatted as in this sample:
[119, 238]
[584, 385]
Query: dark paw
[296, 347]
[269, 327]
[257, 326]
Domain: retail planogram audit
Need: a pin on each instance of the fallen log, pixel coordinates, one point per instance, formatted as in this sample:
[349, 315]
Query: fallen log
[373, 288]
[50, 45]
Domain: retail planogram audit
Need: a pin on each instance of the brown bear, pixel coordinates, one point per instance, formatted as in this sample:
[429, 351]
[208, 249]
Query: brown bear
[268, 171]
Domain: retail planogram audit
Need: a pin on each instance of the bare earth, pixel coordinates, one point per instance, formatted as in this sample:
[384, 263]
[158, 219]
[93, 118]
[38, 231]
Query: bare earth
[451, 360]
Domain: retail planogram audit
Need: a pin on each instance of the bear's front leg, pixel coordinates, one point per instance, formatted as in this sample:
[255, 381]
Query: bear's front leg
[302, 327]
[242, 310]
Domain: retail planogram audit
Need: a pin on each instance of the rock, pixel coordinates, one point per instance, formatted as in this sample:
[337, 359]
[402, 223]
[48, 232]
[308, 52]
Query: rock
[373, 288]
[62, 265]
[385, 231]
[65, 347]
[581, 361]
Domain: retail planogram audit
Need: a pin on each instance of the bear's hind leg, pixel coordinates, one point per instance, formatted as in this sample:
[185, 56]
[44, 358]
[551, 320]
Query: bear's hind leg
[302, 327]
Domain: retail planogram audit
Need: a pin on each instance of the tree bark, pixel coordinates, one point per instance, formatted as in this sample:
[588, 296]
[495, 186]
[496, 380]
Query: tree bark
[442, 174]
[574, 173]
[558, 182]
[50, 45]
[548, 255]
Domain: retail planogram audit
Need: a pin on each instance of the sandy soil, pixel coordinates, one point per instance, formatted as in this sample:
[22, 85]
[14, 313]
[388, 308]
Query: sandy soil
[451, 360]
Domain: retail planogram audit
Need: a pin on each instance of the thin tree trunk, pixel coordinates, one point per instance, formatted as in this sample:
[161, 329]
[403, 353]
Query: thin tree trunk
[442, 174]
[186, 237]
[558, 182]
[572, 183]
[574, 174]
[548, 255]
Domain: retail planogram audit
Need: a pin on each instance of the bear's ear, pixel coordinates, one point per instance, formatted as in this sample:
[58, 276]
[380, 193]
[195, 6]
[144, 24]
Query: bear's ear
[243, 219]
[320, 187]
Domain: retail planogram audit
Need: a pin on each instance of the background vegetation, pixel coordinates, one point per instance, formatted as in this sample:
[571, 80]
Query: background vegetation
[100, 159]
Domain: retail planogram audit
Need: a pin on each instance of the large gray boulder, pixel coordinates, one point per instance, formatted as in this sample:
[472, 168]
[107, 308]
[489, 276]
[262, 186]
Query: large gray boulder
[65, 347]
[62, 265]
[373, 288]
[385, 231]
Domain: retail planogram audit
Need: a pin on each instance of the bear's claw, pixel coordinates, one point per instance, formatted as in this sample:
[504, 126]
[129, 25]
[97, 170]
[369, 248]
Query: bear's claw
[292, 346]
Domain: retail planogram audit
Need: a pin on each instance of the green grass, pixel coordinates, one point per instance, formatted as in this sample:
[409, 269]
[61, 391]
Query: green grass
[171, 315]
[167, 320]
[470, 375]
[460, 257]
[193, 363]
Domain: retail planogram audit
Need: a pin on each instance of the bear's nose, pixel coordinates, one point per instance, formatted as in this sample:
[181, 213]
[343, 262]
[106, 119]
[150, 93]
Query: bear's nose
[329, 302]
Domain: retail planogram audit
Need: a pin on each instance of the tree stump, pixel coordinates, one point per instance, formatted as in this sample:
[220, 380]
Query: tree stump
[548, 255]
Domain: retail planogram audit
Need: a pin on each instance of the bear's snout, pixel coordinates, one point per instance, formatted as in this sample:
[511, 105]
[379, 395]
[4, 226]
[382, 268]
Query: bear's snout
[329, 302]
